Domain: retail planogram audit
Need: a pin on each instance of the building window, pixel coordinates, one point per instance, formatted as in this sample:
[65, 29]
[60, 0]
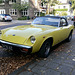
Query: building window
[23, 1]
[64, 7]
[59, 7]
[2, 11]
[25, 13]
[14, 1]
[13, 12]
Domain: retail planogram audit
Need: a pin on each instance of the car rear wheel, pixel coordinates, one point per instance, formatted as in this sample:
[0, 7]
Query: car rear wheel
[70, 37]
[45, 49]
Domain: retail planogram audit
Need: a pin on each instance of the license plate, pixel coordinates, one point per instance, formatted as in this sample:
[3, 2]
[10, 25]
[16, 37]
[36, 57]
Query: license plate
[7, 47]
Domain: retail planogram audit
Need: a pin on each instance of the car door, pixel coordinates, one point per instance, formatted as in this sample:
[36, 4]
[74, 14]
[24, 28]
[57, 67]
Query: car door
[64, 28]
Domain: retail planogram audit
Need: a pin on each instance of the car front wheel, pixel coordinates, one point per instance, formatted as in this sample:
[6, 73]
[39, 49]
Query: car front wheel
[45, 49]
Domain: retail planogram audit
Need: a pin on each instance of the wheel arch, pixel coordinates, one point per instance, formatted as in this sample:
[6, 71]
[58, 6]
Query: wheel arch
[49, 39]
[71, 31]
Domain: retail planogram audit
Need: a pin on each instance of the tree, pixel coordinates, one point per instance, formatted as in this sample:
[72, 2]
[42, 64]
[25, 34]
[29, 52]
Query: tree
[73, 5]
[20, 7]
[43, 2]
[63, 14]
[49, 3]
[16, 5]
[6, 5]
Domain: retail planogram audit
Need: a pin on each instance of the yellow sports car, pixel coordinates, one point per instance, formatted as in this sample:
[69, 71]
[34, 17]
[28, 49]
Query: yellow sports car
[40, 36]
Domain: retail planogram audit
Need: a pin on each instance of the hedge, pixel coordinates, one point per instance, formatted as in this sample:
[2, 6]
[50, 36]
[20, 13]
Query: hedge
[24, 18]
[42, 14]
[61, 9]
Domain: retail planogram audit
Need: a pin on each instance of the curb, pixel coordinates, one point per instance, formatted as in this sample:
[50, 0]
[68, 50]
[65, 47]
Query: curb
[19, 70]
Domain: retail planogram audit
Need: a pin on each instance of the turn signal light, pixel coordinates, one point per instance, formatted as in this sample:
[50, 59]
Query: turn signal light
[25, 49]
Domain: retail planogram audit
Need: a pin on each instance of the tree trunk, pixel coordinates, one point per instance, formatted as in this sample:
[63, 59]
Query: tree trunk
[74, 12]
[7, 7]
[48, 6]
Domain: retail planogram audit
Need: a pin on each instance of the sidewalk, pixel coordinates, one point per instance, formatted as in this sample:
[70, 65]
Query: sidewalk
[60, 62]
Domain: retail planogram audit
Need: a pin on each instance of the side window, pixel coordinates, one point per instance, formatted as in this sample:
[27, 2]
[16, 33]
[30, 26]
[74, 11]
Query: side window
[63, 22]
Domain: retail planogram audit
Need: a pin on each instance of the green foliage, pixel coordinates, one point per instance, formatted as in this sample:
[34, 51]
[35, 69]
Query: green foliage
[43, 2]
[1, 1]
[74, 12]
[24, 18]
[73, 4]
[49, 3]
[61, 9]
[64, 14]
[42, 14]
[53, 12]
[20, 6]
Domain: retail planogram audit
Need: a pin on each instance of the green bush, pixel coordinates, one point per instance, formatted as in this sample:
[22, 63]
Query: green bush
[61, 9]
[64, 14]
[42, 14]
[24, 18]
[53, 12]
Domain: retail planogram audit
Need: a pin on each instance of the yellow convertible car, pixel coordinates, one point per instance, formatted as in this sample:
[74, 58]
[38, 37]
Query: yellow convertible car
[40, 36]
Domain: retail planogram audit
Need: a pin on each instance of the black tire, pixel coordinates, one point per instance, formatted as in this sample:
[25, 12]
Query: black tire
[10, 20]
[74, 24]
[3, 20]
[70, 37]
[45, 49]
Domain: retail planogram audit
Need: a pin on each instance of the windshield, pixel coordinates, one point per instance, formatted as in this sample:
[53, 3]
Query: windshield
[52, 21]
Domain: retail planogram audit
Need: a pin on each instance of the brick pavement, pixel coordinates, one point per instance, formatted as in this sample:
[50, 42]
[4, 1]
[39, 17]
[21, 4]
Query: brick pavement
[61, 61]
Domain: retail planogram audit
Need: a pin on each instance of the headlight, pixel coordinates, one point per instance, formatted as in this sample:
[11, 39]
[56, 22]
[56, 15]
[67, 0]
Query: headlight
[32, 39]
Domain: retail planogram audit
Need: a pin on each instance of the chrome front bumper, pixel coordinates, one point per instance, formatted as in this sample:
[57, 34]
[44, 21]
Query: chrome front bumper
[16, 46]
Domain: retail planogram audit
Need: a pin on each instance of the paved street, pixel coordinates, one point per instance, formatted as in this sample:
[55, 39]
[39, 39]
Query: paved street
[4, 25]
[61, 61]
[14, 23]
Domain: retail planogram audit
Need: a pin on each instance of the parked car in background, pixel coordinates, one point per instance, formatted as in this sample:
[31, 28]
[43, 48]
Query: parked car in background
[5, 17]
[49, 15]
[40, 36]
[68, 17]
[73, 19]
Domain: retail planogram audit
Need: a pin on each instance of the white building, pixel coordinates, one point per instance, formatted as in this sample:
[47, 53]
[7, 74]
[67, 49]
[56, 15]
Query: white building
[63, 1]
[64, 6]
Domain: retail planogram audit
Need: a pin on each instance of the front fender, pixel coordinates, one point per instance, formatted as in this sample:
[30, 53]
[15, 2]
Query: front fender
[39, 41]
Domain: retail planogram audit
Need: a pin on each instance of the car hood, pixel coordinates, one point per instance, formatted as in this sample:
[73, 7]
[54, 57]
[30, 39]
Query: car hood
[19, 34]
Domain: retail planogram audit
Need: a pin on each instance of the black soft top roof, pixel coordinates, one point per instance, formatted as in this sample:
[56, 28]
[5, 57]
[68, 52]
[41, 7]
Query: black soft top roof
[53, 16]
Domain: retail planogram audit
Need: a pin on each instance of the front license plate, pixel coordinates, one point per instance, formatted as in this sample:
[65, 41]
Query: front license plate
[7, 47]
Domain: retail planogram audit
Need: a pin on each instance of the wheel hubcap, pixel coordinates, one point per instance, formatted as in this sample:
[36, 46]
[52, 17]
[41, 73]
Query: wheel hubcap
[47, 48]
[70, 37]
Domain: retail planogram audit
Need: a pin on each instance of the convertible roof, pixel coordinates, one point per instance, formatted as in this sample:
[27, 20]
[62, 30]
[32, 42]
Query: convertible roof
[53, 16]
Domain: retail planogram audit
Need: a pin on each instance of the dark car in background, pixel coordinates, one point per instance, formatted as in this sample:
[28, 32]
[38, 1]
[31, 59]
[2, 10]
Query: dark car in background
[73, 19]
[5, 17]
